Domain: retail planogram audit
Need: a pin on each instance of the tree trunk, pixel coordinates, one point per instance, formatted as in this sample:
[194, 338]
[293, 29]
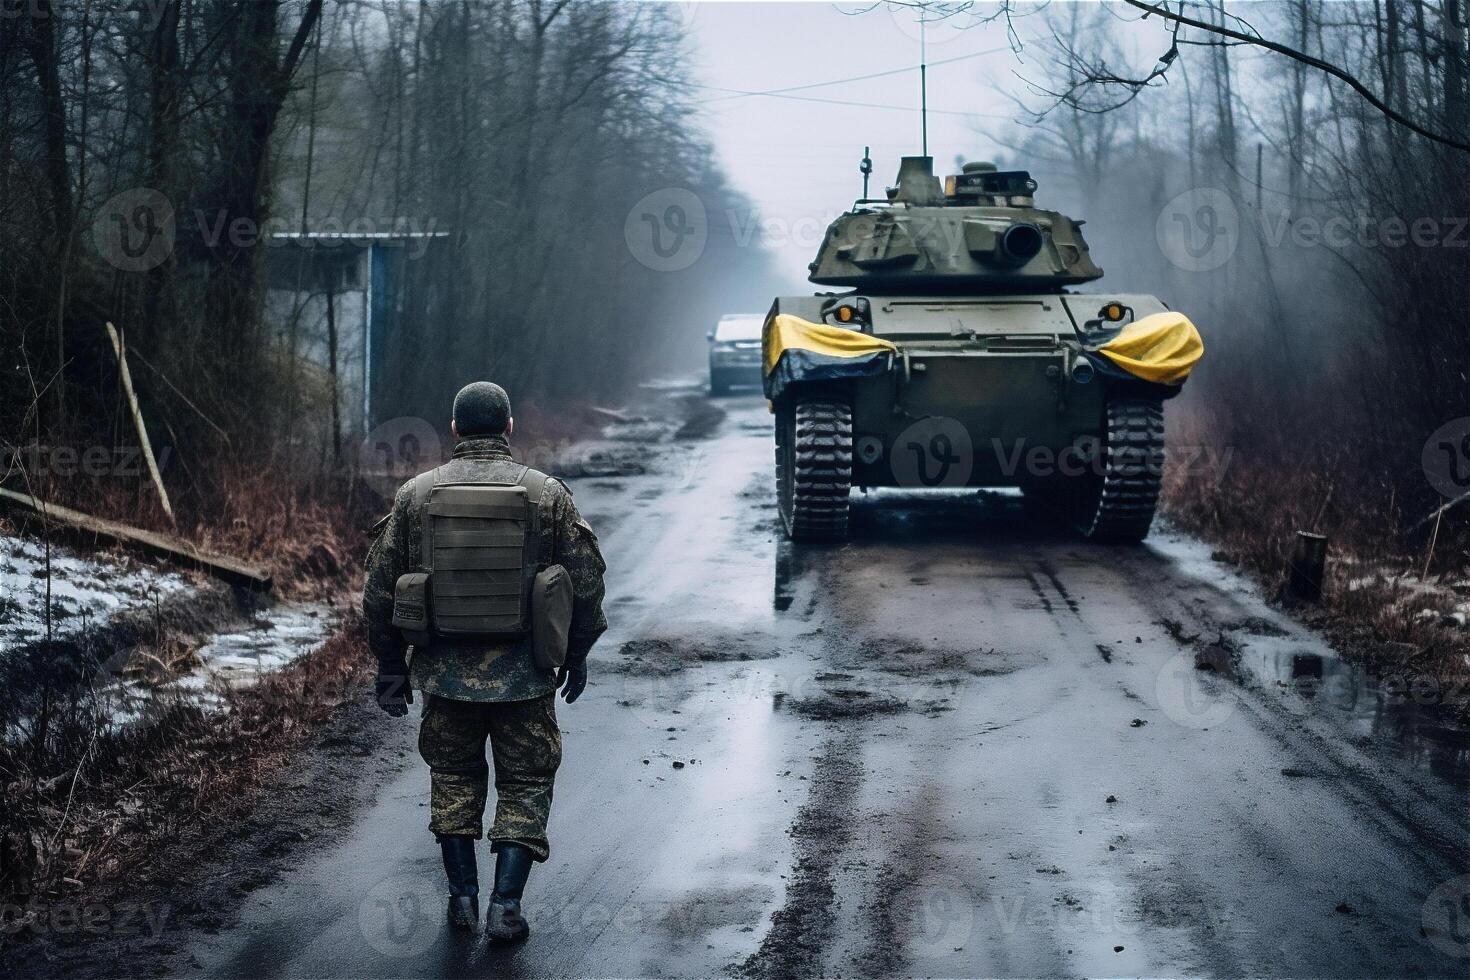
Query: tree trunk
[163, 143]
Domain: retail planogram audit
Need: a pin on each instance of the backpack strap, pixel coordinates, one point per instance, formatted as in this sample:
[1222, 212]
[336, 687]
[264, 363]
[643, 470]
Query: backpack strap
[423, 485]
[535, 483]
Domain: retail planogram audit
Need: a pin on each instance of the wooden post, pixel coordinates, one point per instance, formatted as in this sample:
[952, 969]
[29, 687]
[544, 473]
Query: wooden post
[1433, 540]
[127, 383]
[332, 362]
[89, 529]
[1308, 567]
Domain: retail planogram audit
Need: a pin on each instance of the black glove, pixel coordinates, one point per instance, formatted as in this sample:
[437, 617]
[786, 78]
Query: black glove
[571, 678]
[391, 690]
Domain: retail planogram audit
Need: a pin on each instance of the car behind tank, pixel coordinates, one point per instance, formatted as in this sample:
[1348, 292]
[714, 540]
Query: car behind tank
[958, 356]
[735, 352]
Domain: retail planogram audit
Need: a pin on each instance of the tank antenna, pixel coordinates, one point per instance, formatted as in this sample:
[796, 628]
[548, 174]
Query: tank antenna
[866, 169]
[924, 77]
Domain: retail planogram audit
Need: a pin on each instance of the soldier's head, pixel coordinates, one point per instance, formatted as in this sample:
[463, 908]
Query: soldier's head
[481, 409]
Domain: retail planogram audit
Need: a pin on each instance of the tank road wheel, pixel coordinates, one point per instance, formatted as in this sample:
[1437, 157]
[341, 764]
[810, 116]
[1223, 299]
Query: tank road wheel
[1118, 504]
[814, 468]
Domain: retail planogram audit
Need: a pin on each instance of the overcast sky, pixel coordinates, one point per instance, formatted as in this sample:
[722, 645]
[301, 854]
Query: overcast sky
[798, 159]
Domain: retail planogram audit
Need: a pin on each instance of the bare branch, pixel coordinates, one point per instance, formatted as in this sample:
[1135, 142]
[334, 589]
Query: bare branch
[1363, 90]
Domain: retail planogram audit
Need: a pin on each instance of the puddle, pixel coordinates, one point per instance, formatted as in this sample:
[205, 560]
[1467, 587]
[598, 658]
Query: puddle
[640, 431]
[231, 661]
[684, 383]
[1404, 712]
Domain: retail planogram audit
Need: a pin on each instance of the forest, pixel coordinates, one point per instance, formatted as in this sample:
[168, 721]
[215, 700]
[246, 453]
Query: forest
[1294, 176]
[156, 156]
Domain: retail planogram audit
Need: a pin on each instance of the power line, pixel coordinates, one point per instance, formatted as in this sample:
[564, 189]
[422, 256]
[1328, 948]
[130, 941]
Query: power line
[740, 94]
[849, 102]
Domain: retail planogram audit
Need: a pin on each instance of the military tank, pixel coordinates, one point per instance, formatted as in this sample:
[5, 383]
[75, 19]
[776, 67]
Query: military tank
[959, 354]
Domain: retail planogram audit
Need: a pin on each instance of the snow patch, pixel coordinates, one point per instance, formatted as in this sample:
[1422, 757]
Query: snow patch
[86, 591]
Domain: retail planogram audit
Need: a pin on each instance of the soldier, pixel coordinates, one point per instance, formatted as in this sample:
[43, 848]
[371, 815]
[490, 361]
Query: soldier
[485, 688]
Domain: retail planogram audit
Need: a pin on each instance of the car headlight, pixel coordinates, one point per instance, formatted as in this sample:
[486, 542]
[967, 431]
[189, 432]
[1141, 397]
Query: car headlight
[723, 348]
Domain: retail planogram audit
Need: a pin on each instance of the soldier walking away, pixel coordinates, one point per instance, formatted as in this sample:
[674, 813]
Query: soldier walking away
[484, 593]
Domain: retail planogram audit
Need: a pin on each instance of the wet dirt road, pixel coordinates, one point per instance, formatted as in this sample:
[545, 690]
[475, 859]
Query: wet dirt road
[949, 747]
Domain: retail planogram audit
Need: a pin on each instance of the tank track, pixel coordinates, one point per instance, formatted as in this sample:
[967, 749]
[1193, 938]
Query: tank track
[814, 505]
[1122, 508]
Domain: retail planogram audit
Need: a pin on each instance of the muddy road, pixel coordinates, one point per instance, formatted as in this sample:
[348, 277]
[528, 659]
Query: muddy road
[950, 747]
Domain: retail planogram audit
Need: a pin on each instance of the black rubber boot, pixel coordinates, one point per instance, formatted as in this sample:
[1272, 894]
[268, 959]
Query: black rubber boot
[505, 924]
[464, 880]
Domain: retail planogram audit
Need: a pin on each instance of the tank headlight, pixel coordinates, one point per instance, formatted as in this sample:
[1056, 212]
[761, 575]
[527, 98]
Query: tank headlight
[853, 312]
[1082, 372]
[1113, 312]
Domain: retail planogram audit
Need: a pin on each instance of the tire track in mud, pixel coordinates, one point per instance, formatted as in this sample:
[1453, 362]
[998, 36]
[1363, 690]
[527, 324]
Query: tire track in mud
[1405, 804]
[803, 927]
[899, 904]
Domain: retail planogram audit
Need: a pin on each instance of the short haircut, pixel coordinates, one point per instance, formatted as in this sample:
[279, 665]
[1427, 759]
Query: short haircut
[481, 409]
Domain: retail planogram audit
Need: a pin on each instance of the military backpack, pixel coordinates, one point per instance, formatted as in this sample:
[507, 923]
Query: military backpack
[478, 556]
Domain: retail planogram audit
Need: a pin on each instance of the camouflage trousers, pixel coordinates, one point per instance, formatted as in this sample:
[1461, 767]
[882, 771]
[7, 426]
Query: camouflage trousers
[525, 745]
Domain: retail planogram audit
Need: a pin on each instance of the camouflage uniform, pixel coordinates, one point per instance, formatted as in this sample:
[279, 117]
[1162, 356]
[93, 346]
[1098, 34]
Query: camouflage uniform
[493, 690]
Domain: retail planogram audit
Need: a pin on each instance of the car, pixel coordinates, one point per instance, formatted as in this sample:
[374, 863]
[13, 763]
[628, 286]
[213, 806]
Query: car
[735, 352]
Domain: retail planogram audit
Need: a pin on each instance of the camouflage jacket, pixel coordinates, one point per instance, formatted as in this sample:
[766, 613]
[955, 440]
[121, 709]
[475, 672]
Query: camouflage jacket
[484, 671]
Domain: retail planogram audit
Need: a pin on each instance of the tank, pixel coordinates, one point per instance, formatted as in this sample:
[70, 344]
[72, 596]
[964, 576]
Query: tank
[958, 352]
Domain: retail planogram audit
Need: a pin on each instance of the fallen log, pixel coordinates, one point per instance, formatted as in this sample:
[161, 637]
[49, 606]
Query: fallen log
[1439, 512]
[78, 524]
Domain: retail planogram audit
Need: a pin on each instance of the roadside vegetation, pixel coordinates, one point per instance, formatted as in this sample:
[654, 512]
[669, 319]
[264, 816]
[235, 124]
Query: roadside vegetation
[1320, 237]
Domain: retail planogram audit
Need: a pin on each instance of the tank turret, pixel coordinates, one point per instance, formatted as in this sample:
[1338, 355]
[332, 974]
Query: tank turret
[978, 231]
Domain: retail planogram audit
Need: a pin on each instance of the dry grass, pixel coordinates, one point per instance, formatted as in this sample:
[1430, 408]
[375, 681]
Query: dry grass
[1377, 608]
[312, 538]
[105, 799]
